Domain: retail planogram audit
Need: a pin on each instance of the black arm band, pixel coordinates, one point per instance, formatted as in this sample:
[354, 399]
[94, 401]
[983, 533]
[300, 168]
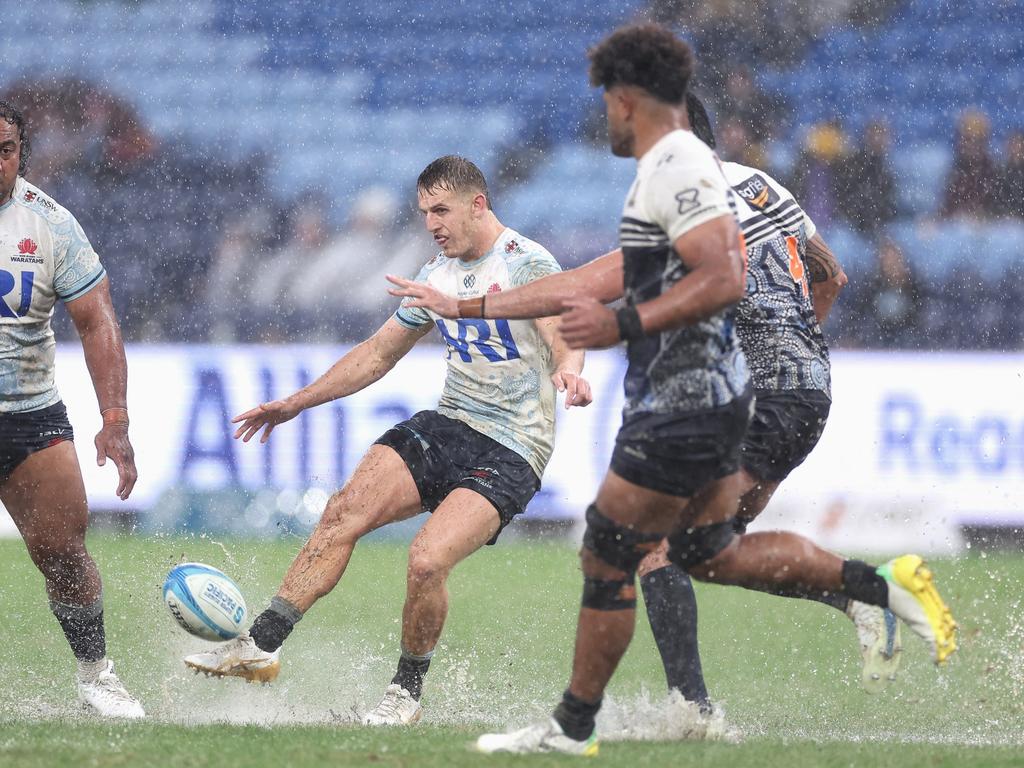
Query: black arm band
[630, 326]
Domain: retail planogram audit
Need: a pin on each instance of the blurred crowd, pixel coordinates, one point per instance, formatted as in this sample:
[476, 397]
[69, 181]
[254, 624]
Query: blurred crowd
[200, 249]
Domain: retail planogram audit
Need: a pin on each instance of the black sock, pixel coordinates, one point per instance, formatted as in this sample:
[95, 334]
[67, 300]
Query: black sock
[83, 627]
[672, 612]
[274, 625]
[411, 669]
[862, 582]
[576, 716]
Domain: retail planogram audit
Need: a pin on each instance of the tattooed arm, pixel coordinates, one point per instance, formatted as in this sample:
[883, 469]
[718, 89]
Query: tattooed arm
[826, 274]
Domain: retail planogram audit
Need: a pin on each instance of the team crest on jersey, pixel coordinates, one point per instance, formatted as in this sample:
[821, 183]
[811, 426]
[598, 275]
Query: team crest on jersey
[494, 288]
[27, 247]
[512, 247]
[757, 192]
[30, 196]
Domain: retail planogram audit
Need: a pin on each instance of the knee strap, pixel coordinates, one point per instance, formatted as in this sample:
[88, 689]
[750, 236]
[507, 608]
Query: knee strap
[609, 595]
[689, 547]
[620, 547]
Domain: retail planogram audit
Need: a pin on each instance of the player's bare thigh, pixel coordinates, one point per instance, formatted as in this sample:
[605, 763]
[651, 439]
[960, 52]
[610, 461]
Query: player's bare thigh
[461, 524]
[45, 496]
[380, 491]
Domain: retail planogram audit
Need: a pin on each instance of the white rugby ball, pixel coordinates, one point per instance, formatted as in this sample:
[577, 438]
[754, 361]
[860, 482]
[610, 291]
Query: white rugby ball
[204, 601]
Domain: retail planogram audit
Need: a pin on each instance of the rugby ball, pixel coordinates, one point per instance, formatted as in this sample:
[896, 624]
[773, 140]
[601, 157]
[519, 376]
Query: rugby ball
[204, 601]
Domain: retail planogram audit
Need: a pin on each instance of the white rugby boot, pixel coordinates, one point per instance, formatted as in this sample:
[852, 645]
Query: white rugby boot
[914, 598]
[240, 657]
[398, 707]
[541, 737]
[106, 696]
[880, 646]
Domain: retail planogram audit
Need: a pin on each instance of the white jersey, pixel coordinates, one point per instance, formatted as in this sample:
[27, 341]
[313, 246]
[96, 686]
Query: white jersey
[499, 371]
[44, 255]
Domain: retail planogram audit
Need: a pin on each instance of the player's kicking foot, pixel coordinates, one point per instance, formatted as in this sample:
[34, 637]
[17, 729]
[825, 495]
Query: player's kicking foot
[237, 658]
[398, 707]
[914, 598]
[542, 737]
[879, 634]
[107, 696]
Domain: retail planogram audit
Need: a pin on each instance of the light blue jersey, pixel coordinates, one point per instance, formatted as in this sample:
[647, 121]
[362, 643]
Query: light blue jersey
[499, 371]
[44, 255]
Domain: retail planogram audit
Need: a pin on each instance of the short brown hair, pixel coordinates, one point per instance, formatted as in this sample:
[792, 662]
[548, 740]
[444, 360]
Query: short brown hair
[454, 173]
[648, 56]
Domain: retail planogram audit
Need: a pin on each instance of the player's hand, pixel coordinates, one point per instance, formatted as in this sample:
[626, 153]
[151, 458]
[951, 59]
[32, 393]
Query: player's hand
[424, 296]
[588, 324]
[112, 443]
[576, 388]
[267, 415]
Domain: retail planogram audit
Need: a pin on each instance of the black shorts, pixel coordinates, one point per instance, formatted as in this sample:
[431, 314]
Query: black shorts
[787, 424]
[22, 434]
[444, 454]
[680, 453]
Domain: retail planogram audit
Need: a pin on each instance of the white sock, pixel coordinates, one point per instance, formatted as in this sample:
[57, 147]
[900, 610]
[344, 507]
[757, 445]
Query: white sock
[89, 671]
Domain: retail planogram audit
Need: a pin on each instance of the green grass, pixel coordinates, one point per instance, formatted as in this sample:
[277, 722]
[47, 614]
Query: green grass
[786, 672]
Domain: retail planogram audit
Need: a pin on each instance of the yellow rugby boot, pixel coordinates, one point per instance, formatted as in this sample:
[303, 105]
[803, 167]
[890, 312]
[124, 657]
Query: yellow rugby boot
[914, 598]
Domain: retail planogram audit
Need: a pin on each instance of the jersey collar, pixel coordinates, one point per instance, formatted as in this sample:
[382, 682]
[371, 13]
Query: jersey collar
[656, 151]
[499, 245]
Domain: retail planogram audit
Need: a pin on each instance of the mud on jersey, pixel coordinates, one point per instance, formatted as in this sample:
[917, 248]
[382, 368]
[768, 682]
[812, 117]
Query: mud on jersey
[44, 256]
[678, 186]
[499, 371]
[777, 327]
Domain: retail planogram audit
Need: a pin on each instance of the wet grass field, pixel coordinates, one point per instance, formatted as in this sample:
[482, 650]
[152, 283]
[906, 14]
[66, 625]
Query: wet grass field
[785, 673]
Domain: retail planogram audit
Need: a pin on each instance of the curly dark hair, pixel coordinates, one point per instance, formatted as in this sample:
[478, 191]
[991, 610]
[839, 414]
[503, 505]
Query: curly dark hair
[453, 173]
[648, 56]
[11, 114]
[700, 122]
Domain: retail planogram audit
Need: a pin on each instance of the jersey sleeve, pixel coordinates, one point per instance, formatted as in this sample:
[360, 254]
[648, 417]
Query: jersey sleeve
[533, 265]
[687, 192]
[787, 213]
[76, 266]
[415, 317]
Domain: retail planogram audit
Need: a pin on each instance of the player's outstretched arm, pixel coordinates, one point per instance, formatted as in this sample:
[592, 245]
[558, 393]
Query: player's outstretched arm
[364, 364]
[600, 279]
[96, 323]
[715, 256]
[826, 274]
[568, 365]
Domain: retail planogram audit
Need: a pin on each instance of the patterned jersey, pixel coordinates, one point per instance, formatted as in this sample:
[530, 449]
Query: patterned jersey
[44, 256]
[778, 330]
[499, 371]
[679, 185]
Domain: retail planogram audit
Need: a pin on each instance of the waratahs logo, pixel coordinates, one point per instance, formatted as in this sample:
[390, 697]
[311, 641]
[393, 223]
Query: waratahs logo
[27, 247]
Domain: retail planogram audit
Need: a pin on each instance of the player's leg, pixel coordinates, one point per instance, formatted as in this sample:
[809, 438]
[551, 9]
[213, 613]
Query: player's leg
[45, 496]
[672, 612]
[462, 523]
[381, 490]
[708, 548]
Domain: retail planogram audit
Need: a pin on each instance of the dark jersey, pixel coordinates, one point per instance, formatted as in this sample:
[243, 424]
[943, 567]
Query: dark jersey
[679, 185]
[777, 328]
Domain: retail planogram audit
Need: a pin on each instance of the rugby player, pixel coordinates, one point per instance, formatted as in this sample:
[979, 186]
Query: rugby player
[475, 462]
[45, 256]
[674, 470]
[779, 328]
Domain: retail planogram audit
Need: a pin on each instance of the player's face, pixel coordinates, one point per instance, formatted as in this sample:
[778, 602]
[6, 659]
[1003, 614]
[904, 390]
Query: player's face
[452, 218]
[10, 157]
[620, 131]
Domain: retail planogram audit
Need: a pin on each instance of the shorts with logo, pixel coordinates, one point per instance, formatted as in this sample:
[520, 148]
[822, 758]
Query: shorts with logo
[444, 454]
[680, 453]
[22, 434]
[787, 424]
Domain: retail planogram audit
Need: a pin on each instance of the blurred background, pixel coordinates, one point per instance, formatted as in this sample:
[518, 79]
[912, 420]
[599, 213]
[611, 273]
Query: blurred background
[246, 171]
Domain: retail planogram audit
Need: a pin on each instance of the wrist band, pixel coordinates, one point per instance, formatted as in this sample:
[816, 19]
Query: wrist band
[630, 326]
[472, 307]
[114, 417]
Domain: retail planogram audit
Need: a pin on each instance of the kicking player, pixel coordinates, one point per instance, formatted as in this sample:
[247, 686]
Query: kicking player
[674, 470]
[45, 256]
[475, 462]
[778, 325]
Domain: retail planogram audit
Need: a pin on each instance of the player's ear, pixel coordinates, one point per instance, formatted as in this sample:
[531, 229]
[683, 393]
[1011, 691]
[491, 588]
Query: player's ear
[479, 204]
